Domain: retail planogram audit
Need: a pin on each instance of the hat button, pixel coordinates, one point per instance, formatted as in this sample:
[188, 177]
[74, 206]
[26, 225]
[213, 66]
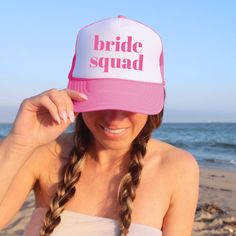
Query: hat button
[121, 17]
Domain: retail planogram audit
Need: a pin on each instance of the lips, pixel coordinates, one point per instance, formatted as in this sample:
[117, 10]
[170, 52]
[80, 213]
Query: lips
[113, 131]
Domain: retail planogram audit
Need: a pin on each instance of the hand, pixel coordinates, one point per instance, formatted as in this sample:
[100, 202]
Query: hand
[42, 118]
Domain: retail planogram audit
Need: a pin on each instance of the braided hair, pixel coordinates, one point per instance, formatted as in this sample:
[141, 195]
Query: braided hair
[73, 169]
[131, 180]
[71, 174]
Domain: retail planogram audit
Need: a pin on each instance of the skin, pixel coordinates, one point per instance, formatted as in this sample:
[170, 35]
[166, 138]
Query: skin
[106, 147]
[165, 199]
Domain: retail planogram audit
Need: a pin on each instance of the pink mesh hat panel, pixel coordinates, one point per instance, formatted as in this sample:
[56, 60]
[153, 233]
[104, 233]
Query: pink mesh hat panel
[118, 64]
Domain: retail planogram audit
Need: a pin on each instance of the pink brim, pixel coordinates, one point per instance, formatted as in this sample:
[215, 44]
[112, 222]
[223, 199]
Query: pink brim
[118, 94]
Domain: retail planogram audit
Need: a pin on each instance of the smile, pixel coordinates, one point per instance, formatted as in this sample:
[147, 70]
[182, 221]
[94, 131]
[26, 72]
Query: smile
[113, 131]
[118, 131]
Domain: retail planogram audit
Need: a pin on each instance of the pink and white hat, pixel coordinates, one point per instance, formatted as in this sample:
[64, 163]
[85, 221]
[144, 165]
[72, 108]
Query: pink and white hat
[118, 64]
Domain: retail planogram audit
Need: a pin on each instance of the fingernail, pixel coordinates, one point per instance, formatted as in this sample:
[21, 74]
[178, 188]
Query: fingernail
[82, 95]
[58, 119]
[71, 116]
[64, 116]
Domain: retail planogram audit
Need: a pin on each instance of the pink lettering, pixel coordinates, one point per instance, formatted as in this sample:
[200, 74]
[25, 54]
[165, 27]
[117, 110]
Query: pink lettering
[93, 62]
[98, 44]
[117, 46]
[108, 45]
[126, 64]
[105, 63]
[126, 46]
[136, 45]
[115, 62]
[138, 64]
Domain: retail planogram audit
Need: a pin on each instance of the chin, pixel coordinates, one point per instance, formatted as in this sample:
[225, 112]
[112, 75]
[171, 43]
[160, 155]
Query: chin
[115, 145]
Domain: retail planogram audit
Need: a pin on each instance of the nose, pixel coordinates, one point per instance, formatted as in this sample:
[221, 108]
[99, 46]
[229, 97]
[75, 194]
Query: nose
[114, 115]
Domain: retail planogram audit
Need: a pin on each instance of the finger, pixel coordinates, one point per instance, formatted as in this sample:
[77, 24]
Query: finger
[57, 98]
[76, 95]
[69, 105]
[46, 102]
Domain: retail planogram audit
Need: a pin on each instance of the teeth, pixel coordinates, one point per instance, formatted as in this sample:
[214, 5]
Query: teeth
[113, 131]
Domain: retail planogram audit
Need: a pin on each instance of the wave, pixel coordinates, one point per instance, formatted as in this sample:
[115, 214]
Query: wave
[224, 145]
[218, 161]
[202, 144]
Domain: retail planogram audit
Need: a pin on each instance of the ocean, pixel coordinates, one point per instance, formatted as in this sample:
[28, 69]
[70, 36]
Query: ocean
[212, 144]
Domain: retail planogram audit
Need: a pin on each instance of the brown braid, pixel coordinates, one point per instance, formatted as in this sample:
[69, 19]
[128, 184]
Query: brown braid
[72, 173]
[131, 180]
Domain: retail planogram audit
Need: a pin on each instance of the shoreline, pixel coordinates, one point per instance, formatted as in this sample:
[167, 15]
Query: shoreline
[215, 214]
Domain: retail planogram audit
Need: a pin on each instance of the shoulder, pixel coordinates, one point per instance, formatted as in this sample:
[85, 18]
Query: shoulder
[53, 153]
[181, 169]
[175, 157]
[177, 162]
[180, 176]
[60, 147]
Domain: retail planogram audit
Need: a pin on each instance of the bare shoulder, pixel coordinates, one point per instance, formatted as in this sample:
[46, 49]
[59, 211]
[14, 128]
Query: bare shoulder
[53, 153]
[180, 176]
[50, 160]
[174, 159]
[60, 147]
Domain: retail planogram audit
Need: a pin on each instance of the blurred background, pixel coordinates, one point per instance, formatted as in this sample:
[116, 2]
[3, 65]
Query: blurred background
[38, 38]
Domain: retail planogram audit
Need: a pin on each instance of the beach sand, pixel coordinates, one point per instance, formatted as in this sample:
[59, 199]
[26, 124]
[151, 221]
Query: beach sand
[216, 211]
[215, 215]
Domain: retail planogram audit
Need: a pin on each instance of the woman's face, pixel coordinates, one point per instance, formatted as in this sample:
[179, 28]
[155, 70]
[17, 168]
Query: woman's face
[114, 129]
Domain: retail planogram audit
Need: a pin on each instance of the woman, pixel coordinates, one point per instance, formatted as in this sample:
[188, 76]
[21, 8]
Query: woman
[108, 177]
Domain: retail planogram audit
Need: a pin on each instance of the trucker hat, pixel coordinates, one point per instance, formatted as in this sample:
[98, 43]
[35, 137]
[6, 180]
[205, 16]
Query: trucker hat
[118, 64]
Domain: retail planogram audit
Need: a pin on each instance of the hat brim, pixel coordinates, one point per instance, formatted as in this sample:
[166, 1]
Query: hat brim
[118, 94]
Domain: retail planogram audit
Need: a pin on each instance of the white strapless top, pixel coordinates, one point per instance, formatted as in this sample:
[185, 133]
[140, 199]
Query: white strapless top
[76, 224]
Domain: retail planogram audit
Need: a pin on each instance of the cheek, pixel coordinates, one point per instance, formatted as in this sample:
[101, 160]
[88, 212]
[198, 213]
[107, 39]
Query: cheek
[140, 122]
[88, 120]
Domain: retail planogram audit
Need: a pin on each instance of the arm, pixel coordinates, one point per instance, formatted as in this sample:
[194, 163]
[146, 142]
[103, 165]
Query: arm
[19, 188]
[179, 218]
[38, 122]
[12, 158]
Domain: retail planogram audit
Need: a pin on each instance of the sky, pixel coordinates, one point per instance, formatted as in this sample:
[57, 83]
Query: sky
[37, 40]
